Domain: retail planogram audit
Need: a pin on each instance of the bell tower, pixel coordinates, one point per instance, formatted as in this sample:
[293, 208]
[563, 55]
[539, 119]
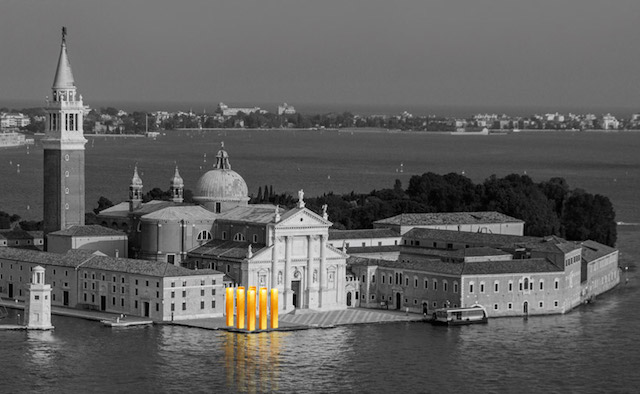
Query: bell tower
[177, 187]
[135, 191]
[63, 145]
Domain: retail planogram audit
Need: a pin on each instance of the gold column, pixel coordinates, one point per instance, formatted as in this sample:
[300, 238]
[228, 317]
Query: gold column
[274, 308]
[240, 307]
[229, 306]
[263, 308]
[251, 309]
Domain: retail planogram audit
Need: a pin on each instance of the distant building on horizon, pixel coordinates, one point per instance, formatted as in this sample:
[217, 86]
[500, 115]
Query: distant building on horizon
[286, 109]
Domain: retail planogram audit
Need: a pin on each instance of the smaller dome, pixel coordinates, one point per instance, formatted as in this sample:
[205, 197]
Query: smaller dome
[136, 180]
[177, 181]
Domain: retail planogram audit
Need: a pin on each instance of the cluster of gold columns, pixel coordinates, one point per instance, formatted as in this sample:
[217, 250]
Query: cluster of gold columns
[262, 295]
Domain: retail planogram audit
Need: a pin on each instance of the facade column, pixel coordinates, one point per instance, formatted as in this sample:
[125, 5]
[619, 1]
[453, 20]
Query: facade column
[322, 276]
[309, 293]
[288, 296]
[274, 264]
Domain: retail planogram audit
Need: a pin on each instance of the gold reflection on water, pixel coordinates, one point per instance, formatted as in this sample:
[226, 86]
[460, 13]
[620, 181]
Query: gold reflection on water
[252, 361]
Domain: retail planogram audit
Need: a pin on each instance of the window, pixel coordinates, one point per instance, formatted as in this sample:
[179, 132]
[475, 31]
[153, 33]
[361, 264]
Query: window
[157, 307]
[173, 307]
[114, 289]
[373, 296]
[496, 286]
[239, 237]
[445, 285]
[213, 292]
[213, 304]
[136, 291]
[364, 278]
[147, 283]
[113, 300]
[85, 297]
[218, 207]
[382, 276]
[184, 306]
[541, 285]
[435, 284]
[510, 286]
[184, 293]
[455, 287]
[204, 235]
[373, 278]
[471, 287]
[509, 306]
[255, 238]
[541, 303]
[201, 304]
[526, 283]
[121, 301]
[415, 282]
[224, 235]
[213, 282]
[122, 280]
[406, 281]
[122, 290]
[37, 297]
[556, 284]
[173, 284]
[449, 246]
[171, 258]
[481, 287]
[136, 281]
[495, 307]
[184, 283]
[555, 304]
[426, 283]
[202, 293]
[173, 294]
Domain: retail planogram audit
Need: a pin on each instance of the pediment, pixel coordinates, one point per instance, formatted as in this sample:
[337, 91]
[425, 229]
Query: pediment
[302, 217]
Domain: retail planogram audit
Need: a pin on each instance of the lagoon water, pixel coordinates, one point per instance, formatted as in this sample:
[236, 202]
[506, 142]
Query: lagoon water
[592, 349]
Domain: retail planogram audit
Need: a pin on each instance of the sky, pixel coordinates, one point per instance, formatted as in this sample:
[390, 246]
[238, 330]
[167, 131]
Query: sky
[578, 54]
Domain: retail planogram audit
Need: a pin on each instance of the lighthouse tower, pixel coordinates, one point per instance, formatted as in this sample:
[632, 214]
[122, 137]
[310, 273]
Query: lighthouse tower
[63, 145]
[38, 307]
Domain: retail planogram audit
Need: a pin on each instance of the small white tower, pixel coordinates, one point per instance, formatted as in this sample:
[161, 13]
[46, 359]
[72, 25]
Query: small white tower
[177, 187]
[38, 307]
[135, 191]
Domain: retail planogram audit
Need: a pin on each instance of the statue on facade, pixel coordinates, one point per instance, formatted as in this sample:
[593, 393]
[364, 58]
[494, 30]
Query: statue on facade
[315, 276]
[300, 198]
[279, 277]
[325, 215]
[249, 252]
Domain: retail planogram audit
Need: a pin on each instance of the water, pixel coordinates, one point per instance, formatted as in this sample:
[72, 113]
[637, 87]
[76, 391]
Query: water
[591, 349]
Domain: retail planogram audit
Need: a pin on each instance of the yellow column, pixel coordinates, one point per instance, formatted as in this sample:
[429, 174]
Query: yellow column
[229, 306]
[274, 308]
[240, 307]
[251, 309]
[263, 308]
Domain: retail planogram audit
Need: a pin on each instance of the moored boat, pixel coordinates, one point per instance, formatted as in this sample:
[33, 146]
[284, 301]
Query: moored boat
[476, 314]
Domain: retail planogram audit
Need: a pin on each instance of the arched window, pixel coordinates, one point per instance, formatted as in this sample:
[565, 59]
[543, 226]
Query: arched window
[204, 235]
[526, 283]
[239, 237]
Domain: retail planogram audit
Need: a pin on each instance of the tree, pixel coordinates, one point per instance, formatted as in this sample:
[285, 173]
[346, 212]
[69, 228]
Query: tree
[103, 203]
[588, 216]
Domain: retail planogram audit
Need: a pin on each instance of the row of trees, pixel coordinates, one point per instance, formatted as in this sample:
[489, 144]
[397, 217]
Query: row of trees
[547, 208]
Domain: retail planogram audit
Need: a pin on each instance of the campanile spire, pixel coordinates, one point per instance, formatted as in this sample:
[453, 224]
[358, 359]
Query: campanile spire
[63, 145]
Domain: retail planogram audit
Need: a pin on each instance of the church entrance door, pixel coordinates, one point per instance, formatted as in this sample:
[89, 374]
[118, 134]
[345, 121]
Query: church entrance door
[398, 301]
[295, 288]
[146, 309]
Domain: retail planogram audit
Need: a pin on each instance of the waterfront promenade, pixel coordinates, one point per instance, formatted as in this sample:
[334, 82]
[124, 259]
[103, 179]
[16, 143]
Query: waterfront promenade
[297, 320]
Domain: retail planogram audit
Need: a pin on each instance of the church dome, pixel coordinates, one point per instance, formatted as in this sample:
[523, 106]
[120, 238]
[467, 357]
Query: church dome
[221, 184]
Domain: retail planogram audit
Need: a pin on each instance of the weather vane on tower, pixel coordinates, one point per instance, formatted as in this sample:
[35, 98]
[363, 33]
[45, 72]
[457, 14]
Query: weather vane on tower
[64, 34]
